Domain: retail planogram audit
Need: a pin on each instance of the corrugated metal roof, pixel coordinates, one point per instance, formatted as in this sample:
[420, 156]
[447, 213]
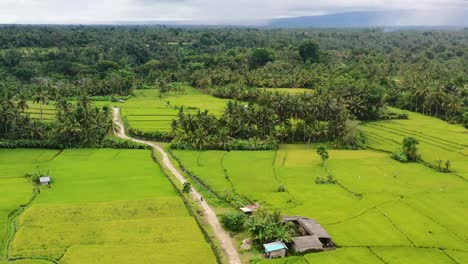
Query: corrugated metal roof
[307, 243]
[313, 227]
[278, 245]
[44, 179]
[246, 210]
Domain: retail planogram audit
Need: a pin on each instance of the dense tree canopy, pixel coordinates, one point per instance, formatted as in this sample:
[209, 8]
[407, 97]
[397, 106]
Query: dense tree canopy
[357, 70]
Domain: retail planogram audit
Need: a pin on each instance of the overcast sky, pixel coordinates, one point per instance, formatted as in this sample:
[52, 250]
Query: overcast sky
[201, 11]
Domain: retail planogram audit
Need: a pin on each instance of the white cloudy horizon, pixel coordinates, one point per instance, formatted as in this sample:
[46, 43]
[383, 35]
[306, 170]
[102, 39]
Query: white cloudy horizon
[200, 11]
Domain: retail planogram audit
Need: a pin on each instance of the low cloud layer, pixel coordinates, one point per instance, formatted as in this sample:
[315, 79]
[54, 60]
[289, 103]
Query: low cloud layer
[199, 11]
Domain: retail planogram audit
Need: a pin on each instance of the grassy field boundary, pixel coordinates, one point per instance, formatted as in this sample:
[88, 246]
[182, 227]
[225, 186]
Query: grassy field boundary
[377, 256]
[192, 209]
[450, 257]
[397, 228]
[420, 161]
[193, 176]
[12, 225]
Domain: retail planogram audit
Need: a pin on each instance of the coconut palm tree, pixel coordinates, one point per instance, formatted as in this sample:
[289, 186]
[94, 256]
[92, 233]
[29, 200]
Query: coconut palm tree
[41, 97]
[22, 102]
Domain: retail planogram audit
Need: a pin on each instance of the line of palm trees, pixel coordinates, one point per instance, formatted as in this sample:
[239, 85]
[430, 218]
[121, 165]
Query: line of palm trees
[15, 122]
[431, 93]
[76, 124]
[280, 117]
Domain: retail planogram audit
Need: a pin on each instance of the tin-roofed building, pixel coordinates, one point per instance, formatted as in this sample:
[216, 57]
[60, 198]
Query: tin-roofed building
[275, 249]
[313, 237]
[304, 244]
[44, 180]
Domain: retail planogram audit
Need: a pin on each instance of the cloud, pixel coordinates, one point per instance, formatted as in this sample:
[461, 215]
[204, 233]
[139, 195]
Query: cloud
[202, 11]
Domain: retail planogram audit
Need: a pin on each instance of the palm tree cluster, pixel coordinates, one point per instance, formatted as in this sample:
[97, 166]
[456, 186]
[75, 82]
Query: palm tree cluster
[82, 124]
[265, 227]
[204, 130]
[77, 125]
[15, 123]
[270, 117]
[431, 93]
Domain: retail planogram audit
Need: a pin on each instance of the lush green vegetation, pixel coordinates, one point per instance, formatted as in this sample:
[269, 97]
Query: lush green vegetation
[354, 73]
[379, 210]
[103, 206]
[235, 89]
[147, 113]
[439, 141]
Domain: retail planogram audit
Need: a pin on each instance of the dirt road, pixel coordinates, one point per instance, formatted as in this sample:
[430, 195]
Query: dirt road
[221, 235]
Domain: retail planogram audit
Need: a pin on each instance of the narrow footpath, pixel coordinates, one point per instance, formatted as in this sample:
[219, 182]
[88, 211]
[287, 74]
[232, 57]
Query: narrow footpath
[221, 235]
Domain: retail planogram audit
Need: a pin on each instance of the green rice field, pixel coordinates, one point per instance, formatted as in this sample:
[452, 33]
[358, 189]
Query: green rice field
[438, 140]
[147, 112]
[104, 206]
[48, 111]
[381, 210]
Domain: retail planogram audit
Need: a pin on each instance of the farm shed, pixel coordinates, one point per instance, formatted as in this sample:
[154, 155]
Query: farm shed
[313, 237]
[275, 249]
[249, 209]
[304, 244]
[44, 180]
[246, 210]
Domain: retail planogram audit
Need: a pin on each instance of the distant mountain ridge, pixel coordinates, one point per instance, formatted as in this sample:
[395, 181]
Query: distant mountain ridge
[403, 18]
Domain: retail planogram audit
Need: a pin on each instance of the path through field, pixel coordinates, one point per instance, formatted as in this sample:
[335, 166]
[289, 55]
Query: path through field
[221, 235]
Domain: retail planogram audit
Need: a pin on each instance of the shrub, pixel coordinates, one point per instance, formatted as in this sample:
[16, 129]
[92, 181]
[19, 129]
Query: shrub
[156, 135]
[118, 143]
[233, 221]
[29, 143]
[323, 153]
[234, 199]
[388, 115]
[52, 144]
[465, 120]
[410, 149]
[399, 155]
[265, 226]
[235, 144]
[330, 179]
[34, 176]
[281, 188]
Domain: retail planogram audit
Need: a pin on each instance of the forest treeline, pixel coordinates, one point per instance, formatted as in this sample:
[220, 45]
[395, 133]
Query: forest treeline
[417, 70]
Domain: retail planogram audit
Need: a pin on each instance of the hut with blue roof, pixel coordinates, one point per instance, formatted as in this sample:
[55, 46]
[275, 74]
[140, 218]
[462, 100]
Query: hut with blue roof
[275, 250]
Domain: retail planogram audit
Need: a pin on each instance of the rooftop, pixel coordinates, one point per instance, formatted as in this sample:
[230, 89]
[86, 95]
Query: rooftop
[307, 243]
[274, 246]
[44, 179]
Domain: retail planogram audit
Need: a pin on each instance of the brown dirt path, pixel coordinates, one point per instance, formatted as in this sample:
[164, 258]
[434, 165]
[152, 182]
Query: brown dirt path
[221, 235]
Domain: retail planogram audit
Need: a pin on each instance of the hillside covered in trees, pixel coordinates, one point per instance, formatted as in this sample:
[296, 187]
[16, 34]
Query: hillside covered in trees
[353, 73]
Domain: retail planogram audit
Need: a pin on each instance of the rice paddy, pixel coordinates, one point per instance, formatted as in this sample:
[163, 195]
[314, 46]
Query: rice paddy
[104, 206]
[381, 210]
[149, 113]
[439, 140]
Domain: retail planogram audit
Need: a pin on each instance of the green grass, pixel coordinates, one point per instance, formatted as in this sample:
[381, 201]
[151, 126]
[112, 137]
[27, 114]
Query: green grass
[26, 261]
[147, 112]
[344, 256]
[378, 203]
[413, 256]
[104, 206]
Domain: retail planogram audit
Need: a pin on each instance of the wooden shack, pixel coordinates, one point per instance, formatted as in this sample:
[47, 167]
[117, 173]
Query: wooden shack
[312, 236]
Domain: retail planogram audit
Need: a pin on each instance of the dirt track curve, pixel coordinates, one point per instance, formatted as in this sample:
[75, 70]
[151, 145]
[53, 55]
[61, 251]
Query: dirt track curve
[221, 235]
